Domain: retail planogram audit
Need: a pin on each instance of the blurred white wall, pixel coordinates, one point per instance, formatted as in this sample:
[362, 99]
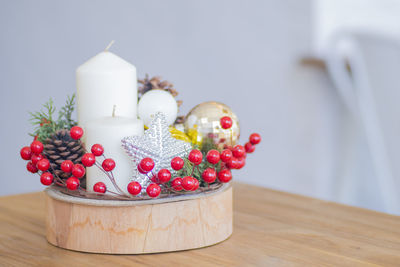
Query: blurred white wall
[331, 17]
[365, 35]
[242, 53]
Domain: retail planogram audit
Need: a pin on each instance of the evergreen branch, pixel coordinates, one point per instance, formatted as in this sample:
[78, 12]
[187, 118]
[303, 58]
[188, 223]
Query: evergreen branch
[65, 114]
[44, 123]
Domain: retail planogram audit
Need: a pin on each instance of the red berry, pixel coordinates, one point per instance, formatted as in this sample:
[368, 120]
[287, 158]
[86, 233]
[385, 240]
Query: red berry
[240, 163]
[67, 165]
[209, 175]
[88, 159]
[195, 156]
[146, 165]
[177, 184]
[228, 147]
[153, 190]
[76, 132]
[213, 156]
[36, 147]
[140, 169]
[177, 163]
[249, 147]
[44, 121]
[154, 179]
[72, 183]
[255, 138]
[224, 176]
[226, 122]
[188, 183]
[36, 157]
[196, 184]
[134, 188]
[46, 178]
[233, 163]
[26, 153]
[239, 151]
[108, 165]
[78, 171]
[97, 150]
[99, 187]
[226, 155]
[164, 175]
[43, 164]
[31, 167]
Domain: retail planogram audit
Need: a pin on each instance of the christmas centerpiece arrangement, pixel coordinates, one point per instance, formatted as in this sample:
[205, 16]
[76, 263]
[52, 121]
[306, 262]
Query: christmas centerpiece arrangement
[130, 159]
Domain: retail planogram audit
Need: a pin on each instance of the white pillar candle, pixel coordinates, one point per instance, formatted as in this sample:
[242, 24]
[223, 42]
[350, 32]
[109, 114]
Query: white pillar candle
[108, 132]
[102, 82]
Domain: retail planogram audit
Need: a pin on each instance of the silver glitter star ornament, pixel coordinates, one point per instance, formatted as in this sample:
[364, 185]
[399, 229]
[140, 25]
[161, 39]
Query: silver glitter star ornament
[158, 144]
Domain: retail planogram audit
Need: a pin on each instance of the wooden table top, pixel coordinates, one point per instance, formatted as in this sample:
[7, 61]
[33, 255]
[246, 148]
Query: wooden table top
[270, 228]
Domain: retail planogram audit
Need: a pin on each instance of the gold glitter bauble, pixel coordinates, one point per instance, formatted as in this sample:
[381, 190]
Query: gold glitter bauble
[202, 124]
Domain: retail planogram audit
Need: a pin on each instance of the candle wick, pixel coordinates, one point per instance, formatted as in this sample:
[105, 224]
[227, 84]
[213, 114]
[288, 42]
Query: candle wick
[109, 45]
[113, 112]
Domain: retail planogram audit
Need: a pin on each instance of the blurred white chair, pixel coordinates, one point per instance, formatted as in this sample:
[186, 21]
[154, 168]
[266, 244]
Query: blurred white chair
[371, 91]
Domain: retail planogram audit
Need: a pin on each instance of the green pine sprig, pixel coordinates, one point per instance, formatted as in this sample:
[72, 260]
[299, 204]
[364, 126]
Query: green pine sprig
[44, 121]
[65, 120]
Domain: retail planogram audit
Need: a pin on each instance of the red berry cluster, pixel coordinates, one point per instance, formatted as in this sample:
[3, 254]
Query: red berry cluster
[209, 175]
[187, 183]
[146, 166]
[254, 139]
[213, 157]
[235, 157]
[38, 162]
[88, 160]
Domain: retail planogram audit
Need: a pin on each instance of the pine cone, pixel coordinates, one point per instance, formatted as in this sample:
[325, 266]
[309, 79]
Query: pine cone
[59, 147]
[156, 83]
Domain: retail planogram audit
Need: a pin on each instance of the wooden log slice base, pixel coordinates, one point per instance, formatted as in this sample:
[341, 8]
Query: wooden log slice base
[137, 227]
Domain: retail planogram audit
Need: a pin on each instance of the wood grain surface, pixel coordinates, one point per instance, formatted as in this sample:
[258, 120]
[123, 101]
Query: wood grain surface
[159, 226]
[271, 228]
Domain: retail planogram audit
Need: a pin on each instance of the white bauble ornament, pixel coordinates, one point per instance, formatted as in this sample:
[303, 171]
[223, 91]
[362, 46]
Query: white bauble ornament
[157, 101]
